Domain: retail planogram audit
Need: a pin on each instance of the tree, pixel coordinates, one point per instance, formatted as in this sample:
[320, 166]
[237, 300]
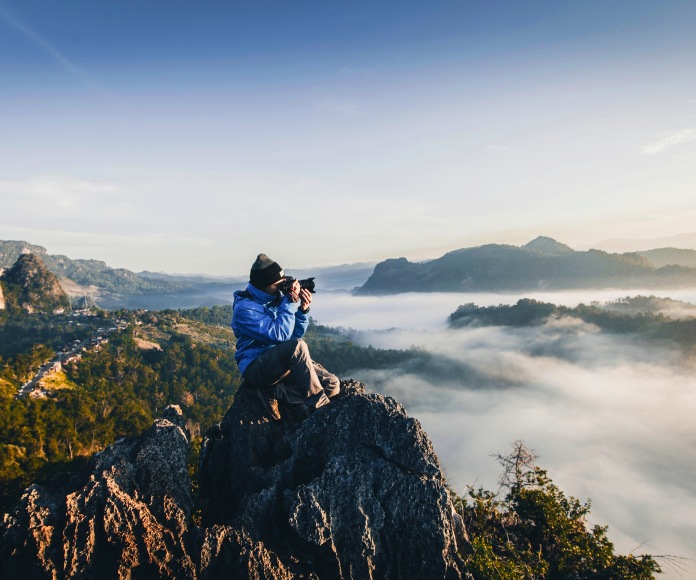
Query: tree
[535, 531]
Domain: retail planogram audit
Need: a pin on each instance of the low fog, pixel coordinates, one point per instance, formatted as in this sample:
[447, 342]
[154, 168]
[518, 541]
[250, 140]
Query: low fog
[611, 417]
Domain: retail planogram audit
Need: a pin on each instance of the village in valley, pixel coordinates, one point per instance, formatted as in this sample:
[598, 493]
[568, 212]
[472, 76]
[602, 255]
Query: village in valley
[36, 386]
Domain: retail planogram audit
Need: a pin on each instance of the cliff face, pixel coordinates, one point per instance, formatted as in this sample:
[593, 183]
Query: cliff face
[353, 491]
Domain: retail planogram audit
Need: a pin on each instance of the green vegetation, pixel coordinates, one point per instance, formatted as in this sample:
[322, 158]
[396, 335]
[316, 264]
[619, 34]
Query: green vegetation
[18, 334]
[186, 358]
[118, 388]
[535, 532]
[216, 315]
[619, 317]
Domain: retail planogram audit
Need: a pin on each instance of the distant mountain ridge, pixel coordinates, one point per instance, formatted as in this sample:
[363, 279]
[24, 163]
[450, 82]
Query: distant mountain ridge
[619, 245]
[85, 272]
[543, 264]
[93, 281]
[670, 257]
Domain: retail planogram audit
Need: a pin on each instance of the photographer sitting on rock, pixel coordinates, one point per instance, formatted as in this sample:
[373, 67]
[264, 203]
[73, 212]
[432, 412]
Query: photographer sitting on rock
[269, 319]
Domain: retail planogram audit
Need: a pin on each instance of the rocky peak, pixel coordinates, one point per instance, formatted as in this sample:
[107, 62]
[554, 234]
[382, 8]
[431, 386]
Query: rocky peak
[354, 490]
[548, 247]
[33, 287]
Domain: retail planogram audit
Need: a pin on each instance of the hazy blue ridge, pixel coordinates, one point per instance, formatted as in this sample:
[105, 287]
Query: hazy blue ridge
[541, 265]
[670, 257]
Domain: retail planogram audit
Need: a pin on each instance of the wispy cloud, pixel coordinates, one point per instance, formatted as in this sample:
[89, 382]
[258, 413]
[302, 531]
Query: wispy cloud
[666, 142]
[610, 416]
[498, 147]
[56, 192]
[345, 107]
[54, 53]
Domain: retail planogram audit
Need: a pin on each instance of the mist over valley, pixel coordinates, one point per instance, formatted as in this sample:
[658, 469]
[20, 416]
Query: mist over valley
[611, 415]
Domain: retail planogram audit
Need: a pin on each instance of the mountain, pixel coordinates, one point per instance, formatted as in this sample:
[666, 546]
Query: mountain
[86, 272]
[541, 264]
[686, 240]
[670, 257]
[28, 286]
[94, 282]
[547, 247]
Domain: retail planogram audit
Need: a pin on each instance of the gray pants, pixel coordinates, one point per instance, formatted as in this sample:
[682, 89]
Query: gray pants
[303, 380]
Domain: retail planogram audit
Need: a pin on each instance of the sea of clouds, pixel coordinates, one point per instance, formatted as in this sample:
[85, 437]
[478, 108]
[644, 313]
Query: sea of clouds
[611, 417]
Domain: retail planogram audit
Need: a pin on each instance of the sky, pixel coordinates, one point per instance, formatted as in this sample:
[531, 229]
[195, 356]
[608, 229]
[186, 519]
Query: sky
[188, 137]
[610, 416]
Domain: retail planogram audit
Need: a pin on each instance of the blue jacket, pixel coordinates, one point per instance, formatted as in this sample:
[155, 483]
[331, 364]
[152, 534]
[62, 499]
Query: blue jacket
[260, 321]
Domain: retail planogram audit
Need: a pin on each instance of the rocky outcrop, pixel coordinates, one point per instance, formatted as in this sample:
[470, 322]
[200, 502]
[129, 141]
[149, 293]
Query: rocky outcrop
[354, 490]
[128, 516]
[32, 288]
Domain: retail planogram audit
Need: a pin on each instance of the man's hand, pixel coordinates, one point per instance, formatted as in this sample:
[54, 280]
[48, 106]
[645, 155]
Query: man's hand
[294, 292]
[306, 298]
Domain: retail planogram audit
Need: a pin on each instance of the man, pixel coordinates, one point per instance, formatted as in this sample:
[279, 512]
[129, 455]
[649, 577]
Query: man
[269, 325]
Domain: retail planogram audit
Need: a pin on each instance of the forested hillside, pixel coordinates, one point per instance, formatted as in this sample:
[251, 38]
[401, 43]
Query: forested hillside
[117, 388]
[648, 318]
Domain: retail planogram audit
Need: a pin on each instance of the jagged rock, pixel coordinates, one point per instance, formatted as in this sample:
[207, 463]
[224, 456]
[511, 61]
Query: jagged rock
[128, 517]
[230, 553]
[353, 491]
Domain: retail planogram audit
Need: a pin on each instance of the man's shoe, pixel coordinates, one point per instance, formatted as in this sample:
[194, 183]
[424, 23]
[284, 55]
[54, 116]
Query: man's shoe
[269, 402]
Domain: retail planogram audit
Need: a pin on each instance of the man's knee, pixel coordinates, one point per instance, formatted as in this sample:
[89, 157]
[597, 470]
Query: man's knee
[332, 386]
[299, 347]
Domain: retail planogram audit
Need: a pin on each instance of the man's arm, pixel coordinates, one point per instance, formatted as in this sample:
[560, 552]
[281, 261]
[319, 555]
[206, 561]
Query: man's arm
[254, 321]
[301, 316]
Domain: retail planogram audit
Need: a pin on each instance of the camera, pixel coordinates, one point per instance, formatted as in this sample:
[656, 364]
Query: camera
[307, 284]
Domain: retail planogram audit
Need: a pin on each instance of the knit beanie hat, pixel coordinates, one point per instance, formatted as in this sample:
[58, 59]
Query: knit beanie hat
[265, 272]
